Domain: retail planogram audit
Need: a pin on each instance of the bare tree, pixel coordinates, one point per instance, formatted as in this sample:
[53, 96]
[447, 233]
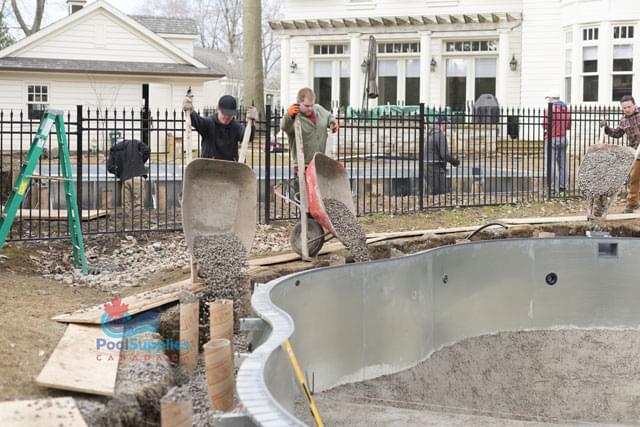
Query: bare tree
[270, 40]
[37, 17]
[252, 61]
[5, 37]
[231, 11]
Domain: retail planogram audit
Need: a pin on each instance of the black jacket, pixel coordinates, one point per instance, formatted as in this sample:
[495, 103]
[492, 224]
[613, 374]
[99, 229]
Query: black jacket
[218, 141]
[127, 158]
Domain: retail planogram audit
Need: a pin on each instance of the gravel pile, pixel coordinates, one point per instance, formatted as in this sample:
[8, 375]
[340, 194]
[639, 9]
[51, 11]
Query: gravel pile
[222, 260]
[570, 375]
[604, 170]
[348, 230]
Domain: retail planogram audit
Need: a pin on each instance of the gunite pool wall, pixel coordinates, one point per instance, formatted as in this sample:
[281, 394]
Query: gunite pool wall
[360, 321]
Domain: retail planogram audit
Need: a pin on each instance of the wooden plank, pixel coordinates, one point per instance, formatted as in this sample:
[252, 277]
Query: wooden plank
[41, 413]
[560, 219]
[57, 214]
[77, 365]
[137, 303]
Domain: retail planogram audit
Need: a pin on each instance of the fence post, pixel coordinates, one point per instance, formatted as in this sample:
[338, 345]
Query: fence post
[421, 158]
[548, 154]
[79, 149]
[267, 166]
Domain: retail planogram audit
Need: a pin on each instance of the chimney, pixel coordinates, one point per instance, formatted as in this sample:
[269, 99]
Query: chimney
[75, 5]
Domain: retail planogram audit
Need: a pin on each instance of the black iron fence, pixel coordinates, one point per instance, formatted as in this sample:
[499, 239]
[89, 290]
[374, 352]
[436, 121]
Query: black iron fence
[503, 158]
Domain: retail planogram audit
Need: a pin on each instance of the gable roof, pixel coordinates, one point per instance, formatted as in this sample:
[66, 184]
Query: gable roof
[115, 13]
[224, 62]
[105, 67]
[165, 25]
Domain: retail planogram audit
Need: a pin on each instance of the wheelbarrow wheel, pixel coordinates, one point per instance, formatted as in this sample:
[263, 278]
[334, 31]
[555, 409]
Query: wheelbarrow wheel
[315, 237]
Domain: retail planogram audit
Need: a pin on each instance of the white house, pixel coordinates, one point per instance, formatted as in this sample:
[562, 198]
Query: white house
[102, 58]
[448, 52]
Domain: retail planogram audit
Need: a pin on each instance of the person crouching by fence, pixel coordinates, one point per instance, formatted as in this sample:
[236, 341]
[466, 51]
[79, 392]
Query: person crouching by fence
[126, 161]
[437, 156]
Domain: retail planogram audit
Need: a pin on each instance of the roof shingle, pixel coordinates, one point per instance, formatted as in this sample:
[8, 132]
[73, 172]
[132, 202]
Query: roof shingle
[166, 25]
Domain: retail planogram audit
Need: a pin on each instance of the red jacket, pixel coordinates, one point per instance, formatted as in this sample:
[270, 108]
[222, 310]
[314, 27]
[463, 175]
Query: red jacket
[561, 120]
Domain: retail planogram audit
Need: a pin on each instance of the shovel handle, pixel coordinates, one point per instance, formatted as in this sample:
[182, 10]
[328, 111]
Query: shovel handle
[245, 141]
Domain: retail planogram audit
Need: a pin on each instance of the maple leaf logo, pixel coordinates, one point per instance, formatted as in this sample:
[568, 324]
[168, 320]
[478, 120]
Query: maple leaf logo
[116, 309]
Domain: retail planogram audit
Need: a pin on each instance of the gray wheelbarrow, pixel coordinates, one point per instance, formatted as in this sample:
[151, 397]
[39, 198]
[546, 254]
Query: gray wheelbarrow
[219, 197]
[325, 178]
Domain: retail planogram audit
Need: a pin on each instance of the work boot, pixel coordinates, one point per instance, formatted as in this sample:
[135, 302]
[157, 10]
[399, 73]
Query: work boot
[630, 208]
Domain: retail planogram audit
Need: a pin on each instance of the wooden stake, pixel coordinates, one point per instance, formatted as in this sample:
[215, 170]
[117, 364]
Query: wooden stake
[219, 367]
[189, 322]
[176, 414]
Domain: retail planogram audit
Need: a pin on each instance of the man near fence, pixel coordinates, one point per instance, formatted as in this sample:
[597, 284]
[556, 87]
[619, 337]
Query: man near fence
[126, 161]
[220, 133]
[560, 124]
[629, 125]
[314, 121]
[437, 156]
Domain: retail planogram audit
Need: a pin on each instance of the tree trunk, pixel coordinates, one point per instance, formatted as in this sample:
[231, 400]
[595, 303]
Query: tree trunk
[252, 54]
[37, 17]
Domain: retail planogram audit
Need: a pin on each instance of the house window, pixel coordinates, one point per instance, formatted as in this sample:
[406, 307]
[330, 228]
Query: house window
[456, 83]
[345, 83]
[412, 82]
[568, 63]
[590, 76]
[485, 81]
[623, 32]
[398, 47]
[590, 34]
[622, 71]
[37, 100]
[322, 82]
[387, 82]
[331, 49]
[472, 46]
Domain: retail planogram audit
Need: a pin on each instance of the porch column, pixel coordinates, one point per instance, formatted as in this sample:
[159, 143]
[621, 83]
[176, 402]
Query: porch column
[503, 65]
[355, 84]
[425, 66]
[285, 73]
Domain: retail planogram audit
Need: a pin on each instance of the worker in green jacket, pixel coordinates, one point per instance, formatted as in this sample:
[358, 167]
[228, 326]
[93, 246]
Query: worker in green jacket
[314, 120]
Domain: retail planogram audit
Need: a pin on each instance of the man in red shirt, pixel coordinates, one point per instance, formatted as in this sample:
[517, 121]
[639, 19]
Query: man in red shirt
[560, 124]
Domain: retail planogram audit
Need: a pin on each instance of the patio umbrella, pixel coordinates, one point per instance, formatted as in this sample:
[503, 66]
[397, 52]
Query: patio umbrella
[371, 83]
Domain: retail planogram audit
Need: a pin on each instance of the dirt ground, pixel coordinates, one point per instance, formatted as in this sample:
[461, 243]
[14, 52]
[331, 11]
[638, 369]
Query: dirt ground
[28, 301]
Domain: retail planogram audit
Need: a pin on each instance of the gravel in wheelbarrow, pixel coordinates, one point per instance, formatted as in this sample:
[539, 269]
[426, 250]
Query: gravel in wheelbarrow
[347, 229]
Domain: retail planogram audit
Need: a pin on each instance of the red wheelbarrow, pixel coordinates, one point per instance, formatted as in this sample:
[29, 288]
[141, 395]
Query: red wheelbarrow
[325, 178]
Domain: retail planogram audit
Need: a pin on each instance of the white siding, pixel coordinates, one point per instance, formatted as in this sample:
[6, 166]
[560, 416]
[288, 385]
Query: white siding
[307, 9]
[184, 44]
[542, 51]
[99, 38]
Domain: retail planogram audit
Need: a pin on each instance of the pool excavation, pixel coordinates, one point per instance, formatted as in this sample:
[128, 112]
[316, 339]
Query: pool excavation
[501, 332]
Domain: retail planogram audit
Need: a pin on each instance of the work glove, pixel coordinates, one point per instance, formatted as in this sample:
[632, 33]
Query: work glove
[603, 124]
[455, 162]
[293, 110]
[334, 126]
[252, 114]
[187, 103]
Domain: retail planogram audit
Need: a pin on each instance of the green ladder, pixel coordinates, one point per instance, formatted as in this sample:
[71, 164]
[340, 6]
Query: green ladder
[50, 118]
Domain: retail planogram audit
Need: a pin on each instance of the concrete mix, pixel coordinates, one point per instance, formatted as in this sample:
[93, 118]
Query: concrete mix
[347, 228]
[602, 174]
[511, 378]
[222, 258]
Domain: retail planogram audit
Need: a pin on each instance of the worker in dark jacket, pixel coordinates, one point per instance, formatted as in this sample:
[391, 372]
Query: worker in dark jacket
[221, 132]
[437, 156]
[126, 161]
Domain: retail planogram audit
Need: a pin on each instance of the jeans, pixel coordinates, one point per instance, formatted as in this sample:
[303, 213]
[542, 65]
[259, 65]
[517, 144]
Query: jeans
[559, 163]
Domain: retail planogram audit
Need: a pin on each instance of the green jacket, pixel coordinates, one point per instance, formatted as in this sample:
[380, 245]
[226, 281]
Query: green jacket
[314, 136]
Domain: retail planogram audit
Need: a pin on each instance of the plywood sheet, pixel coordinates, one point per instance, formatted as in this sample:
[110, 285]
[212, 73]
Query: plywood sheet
[77, 365]
[57, 214]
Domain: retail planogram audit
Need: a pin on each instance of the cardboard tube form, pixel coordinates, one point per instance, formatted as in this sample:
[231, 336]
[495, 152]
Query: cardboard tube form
[221, 320]
[189, 322]
[219, 367]
[176, 414]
